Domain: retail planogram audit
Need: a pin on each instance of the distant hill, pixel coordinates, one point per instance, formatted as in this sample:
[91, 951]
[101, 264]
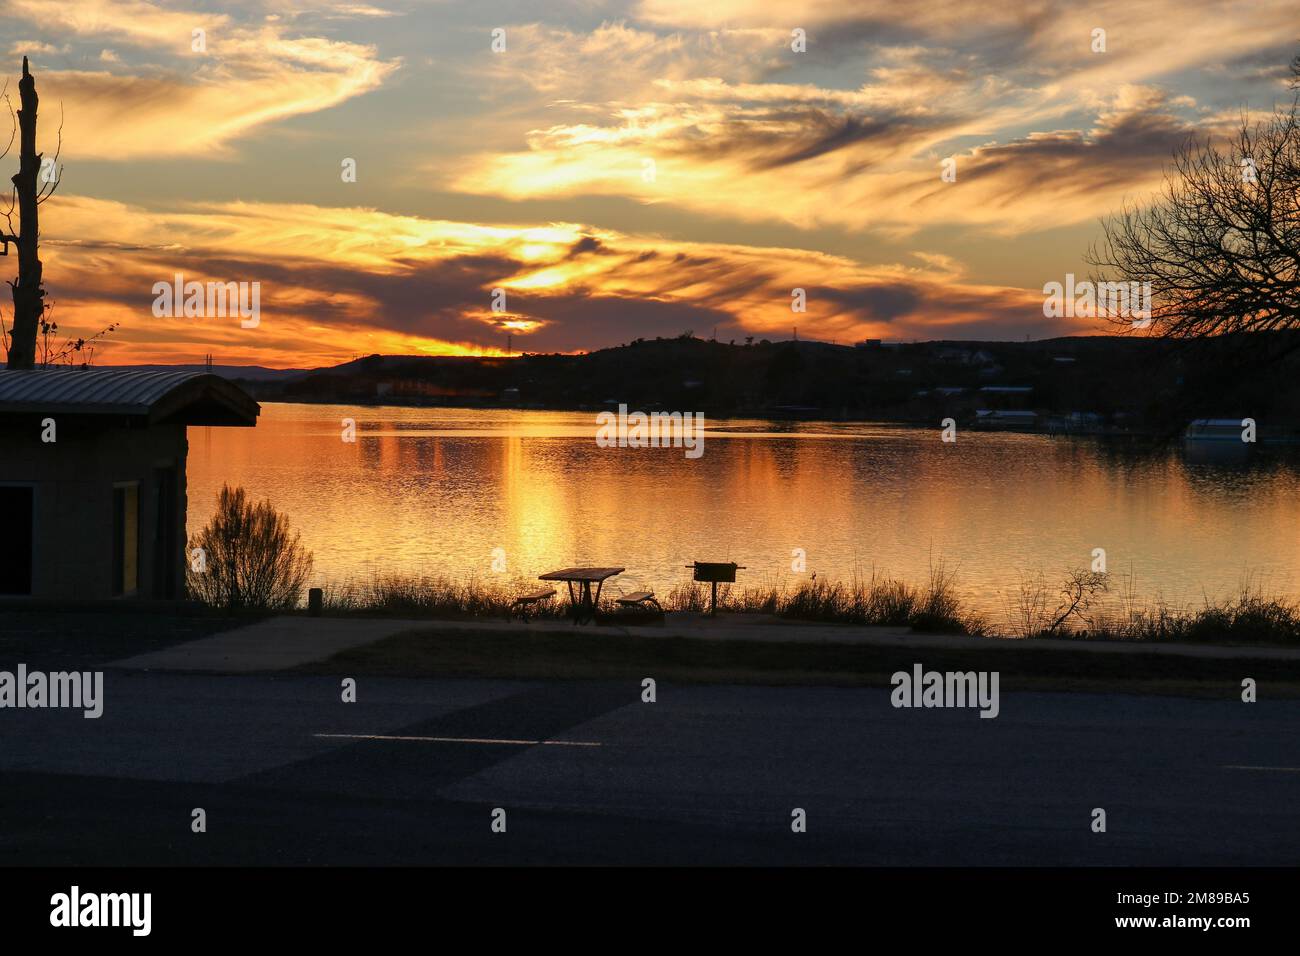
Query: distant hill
[250, 373]
[1117, 381]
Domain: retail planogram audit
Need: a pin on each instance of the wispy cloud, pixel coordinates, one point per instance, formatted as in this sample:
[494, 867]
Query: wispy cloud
[177, 101]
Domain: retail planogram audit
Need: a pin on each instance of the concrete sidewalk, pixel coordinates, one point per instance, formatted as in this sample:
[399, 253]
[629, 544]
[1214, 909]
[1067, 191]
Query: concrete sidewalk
[276, 644]
[286, 642]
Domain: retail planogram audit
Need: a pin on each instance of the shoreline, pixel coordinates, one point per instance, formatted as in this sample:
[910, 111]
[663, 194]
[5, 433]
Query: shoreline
[757, 415]
[1148, 437]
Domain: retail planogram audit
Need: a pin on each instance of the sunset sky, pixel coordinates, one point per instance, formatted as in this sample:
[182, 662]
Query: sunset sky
[526, 169]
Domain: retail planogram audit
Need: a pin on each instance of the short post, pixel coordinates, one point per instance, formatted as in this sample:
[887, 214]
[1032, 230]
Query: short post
[315, 602]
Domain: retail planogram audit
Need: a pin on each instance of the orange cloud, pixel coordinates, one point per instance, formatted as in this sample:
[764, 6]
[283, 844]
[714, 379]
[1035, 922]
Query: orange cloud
[336, 282]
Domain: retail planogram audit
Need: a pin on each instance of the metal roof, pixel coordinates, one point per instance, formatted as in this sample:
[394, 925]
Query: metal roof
[170, 396]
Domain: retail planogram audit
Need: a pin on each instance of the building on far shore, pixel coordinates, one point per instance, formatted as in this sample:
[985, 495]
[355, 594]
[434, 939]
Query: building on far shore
[92, 478]
[1005, 419]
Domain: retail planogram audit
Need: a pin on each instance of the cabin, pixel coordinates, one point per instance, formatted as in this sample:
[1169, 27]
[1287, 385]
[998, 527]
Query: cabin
[1217, 429]
[1005, 419]
[92, 478]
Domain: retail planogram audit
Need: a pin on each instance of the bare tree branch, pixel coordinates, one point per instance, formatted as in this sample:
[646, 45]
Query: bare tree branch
[54, 164]
[13, 120]
[1220, 245]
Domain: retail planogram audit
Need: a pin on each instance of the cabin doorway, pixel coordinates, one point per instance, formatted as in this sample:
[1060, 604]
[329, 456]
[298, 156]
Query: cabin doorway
[17, 504]
[126, 539]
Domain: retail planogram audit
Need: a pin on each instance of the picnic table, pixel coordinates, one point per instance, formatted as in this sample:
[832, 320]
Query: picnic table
[582, 601]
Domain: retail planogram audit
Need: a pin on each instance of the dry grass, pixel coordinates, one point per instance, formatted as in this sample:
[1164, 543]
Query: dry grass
[434, 596]
[1110, 611]
[877, 600]
[1250, 616]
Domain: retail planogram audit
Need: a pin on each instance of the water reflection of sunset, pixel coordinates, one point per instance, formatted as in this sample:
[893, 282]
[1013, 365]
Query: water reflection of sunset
[434, 491]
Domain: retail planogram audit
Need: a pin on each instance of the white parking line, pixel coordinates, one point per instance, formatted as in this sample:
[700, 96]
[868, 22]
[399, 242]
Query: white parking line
[1277, 769]
[468, 740]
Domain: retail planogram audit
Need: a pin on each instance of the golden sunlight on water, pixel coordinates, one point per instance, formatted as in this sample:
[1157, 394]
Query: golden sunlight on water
[436, 490]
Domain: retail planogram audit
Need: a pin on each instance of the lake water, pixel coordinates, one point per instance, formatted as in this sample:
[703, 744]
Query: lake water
[437, 490]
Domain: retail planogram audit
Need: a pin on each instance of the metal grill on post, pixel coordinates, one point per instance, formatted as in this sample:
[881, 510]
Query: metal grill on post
[715, 573]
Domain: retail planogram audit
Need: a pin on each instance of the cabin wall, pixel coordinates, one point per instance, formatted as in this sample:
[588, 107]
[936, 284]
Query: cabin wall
[74, 478]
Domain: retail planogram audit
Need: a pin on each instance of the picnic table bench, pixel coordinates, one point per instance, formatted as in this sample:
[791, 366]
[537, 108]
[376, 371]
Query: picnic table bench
[638, 598]
[582, 601]
[526, 600]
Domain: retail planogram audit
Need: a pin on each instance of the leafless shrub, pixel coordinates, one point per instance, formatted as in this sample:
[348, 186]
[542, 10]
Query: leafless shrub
[1078, 592]
[251, 558]
[1027, 613]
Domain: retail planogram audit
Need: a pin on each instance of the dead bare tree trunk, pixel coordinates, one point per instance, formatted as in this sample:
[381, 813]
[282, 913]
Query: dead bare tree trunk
[29, 297]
